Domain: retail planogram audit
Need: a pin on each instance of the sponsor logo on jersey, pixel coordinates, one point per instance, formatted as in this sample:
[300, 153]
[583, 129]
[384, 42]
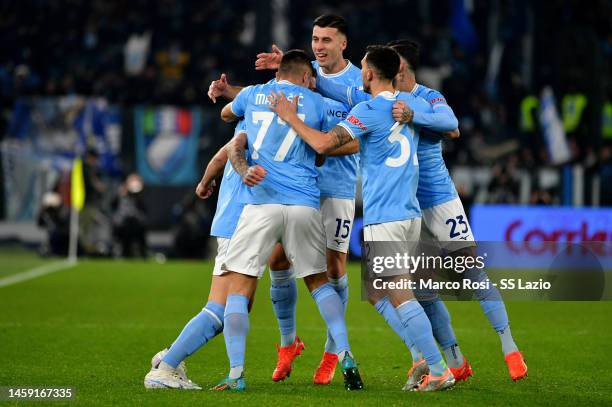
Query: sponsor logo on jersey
[337, 113]
[354, 120]
[437, 100]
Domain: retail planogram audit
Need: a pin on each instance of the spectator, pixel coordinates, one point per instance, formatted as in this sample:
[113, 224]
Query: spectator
[54, 217]
[130, 218]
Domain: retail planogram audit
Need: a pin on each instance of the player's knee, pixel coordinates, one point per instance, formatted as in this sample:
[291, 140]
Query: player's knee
[315, 281]
[336, 264]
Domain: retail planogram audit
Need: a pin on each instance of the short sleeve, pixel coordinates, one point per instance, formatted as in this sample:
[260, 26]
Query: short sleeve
[239, 104]
[240, 127]
[359, 121]
[436, 100]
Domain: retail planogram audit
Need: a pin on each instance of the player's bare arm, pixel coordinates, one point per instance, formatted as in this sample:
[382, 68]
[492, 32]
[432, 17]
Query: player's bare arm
[269, 60]
[352, 147]
[222, 88]
[322, 143]
[214, 169]
[251, 175]
[227, 115]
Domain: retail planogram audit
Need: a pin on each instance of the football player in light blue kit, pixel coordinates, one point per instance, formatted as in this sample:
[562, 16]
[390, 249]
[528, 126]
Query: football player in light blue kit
[167, 366]
[444, 220]
[337, 182]
[390, 179]
[283, 207]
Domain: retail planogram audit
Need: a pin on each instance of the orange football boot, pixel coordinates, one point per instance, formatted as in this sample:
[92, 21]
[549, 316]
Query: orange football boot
[286, 355]
[462, 372]
[325, 372]
[516, 365]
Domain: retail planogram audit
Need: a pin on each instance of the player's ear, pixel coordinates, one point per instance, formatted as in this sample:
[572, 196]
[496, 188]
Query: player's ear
[343, 43]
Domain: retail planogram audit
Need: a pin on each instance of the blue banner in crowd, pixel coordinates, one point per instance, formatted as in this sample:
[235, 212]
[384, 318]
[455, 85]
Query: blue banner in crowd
[167, 144]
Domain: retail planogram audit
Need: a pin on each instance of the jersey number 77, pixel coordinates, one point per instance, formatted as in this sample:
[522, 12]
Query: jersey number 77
[266, 119]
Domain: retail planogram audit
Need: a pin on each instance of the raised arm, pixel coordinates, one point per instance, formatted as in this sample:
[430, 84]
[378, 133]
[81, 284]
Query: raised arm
[222, 88]
[269, 60]
[251, 175]
[322, 143]
[349, 95]
[443, 121]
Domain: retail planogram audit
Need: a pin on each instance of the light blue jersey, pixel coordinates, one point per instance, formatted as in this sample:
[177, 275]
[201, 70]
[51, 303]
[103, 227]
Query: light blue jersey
[435, 184]
[229, 206]
[389, 163]
[338, 176]
[291, 177]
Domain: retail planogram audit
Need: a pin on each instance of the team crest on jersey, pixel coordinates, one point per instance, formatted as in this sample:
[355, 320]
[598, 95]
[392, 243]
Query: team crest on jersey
[354, 120]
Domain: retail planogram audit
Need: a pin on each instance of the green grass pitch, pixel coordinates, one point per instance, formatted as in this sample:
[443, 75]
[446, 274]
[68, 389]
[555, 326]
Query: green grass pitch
[96, 326]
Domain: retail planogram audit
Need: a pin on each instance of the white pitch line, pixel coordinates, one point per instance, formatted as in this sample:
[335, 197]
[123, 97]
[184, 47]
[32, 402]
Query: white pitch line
[36, 272]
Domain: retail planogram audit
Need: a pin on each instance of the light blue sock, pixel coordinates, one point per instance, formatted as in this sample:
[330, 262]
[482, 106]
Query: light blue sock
[341, 287]
[385, 308]
[332, 311]
[283, 293]
[415, 320]
[236, 323]
[201, 329]
[495, 310]
[443, 330]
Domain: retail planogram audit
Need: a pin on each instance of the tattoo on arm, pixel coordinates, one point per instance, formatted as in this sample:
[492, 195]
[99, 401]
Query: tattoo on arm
[407, 115]
[340, 136]
[235, 152]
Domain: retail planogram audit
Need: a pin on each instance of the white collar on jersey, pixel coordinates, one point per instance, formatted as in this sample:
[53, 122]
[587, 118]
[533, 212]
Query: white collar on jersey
[334, 75]
[285, 82]
[388, 95]
[414, 89]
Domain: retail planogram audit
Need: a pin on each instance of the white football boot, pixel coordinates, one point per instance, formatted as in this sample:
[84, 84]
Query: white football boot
[165, 377]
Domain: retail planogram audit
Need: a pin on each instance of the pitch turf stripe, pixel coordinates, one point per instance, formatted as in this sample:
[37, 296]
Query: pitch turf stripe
[36, 272]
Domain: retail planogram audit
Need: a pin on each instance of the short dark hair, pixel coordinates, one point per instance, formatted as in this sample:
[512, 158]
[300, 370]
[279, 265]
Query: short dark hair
[333, 21]
[407, 49]
[293, 60]
[384, 60]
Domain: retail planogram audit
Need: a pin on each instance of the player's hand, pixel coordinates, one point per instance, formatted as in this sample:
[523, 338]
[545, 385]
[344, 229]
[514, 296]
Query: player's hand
[269, 60]
[282, 106]
[217, 88]
[452, 134]
[401, 112]
[205, 191]
[254, 175]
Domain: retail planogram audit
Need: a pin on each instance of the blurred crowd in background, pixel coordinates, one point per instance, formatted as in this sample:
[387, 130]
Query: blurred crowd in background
[490, 58]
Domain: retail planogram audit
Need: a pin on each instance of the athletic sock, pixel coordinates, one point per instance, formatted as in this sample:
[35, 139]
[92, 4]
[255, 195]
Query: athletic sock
[453, 356]
[331, 309]
[443, 330]
[415, 321]
[283, 293]
[494, 309]
[198, 331]
[385, 308]
[508, 345]
[236, 328]
[341, 287]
